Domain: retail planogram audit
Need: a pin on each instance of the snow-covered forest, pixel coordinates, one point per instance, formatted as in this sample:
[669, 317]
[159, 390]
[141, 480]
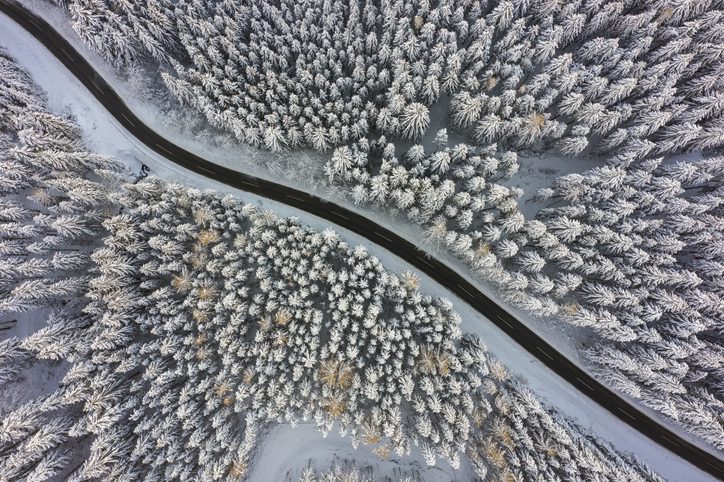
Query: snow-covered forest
[630, 252]
[185, 323]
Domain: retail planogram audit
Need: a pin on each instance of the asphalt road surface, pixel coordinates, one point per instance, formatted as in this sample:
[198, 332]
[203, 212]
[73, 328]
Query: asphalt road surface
[441, 273]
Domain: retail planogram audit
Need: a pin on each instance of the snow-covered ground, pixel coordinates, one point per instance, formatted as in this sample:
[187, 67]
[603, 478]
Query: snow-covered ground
[104, 135]
[285, 451]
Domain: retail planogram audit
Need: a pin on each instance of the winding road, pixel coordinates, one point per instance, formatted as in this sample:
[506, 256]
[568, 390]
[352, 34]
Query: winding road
[443, 274]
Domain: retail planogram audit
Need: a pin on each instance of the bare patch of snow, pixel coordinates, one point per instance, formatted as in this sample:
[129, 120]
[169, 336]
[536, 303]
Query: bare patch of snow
[285, 451]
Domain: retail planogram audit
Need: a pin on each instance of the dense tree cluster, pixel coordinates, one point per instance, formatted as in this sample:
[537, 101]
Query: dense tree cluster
[584, 74]
[254, 318]
[522, 440]
[200, 320]
[645, 247]
[235, 318]
[453, 191]
[53, 197]
[123, 32]
[318, 74]
[630, 77]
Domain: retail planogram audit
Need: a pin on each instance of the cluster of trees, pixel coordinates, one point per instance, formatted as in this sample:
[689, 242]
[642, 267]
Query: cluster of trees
[274, 322]
[632, 253]
[645, 245]
[250, 319]
[597, 75]
[53, 197]
[522, 440]
[453, 191]
[287, 75]
[227, 318]
[124, 33]
[628, 77]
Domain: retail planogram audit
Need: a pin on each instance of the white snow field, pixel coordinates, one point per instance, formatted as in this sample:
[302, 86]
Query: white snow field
[284, 452]
[294, 447]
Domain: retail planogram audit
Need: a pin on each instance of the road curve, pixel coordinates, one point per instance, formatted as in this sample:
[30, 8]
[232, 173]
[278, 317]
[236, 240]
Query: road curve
[443, 274]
